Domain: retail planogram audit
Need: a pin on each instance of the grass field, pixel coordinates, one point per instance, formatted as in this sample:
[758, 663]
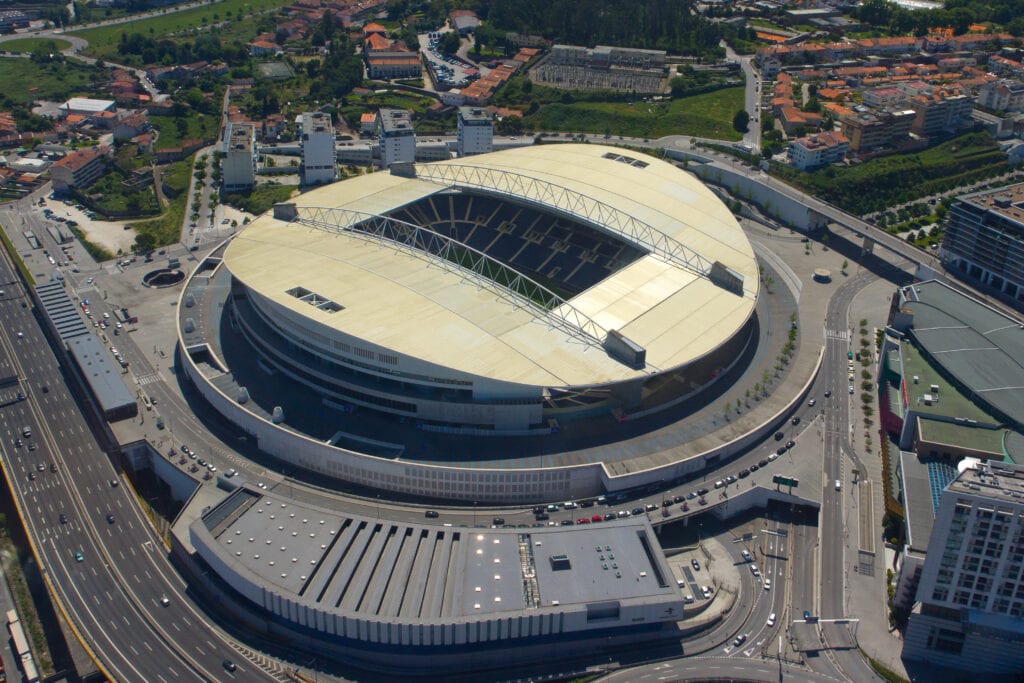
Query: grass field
[24, 80]
[707, 115]
[33, 44]
[105, 38]
[198, 125]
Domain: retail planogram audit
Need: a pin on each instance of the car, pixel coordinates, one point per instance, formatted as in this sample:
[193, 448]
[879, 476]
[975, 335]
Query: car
[542, 516]
[79, 557]
[851, 388]
[795, 420]
[767, 584]
[45, 388]
[695, 564]
[702, 492]
[828, 393]
[622, 513]
[666, 503]
[771, 620]
[705, 591]
[730, 479]
[31, 445]
[114, 483]
[677, 499]
[211, 467]
[583, 520]
[40, 467]
[231, 472]
[228, 665]
[811, 403]
[202, 462]
[774, 456]
[498, 521]
[567, 522]
[431, 514]
[165, 601]
[740, 639]
[755, 467]
[554, 507]
[110, 518]
[597, 518]
[691, 495]
[754, 570]
[762, 462]
[745, 554]
[779, 436]
[609, 516]
[650, 507]
[743, 473]
[790, 444]
[21, 396]
[637, 511]
[719, 484]
[839, 485]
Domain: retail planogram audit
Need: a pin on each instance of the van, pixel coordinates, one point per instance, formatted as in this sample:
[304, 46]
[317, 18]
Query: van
[26, 432]
[569, 505]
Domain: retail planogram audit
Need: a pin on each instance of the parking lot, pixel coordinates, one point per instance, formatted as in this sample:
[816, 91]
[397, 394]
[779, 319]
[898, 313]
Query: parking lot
[449, 71]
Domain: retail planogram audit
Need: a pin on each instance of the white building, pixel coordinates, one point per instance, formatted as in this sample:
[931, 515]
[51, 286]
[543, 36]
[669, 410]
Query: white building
[970, 599]
[396, 137]
[1003, 95]
[318, 156]
[820, 149]
[239, 164]
[476, 131]
[85, 106]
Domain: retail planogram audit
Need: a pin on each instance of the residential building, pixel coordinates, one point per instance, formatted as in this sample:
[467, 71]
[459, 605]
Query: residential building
[815, 151]
[794, 121]
[78, 169]
[239, 164]
[367, 123]
[318, 155]
[262, 48]
[868, 131]
[984, 239]
[387, 58]
[476, 131]
[396, 137]
[940, 112]
[464, 21]
[969, 613]
[1002, 95]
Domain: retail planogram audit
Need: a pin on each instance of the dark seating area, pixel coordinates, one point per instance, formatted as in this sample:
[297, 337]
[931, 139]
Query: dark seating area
[558, 252]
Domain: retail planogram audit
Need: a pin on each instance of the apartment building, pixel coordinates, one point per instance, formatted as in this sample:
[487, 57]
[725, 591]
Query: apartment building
[940, 112]
[318, 155]
[868, 131]
[970, 597]
[238, 168]
[1002, 95]
[476, 131]
[79, 169]
[815, 151]
[396, 137]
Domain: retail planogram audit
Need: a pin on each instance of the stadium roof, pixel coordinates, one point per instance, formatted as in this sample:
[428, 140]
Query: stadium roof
[404, 302]
[982, 348]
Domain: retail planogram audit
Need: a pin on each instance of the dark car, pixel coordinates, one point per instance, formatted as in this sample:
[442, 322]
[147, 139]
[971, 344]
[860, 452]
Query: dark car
[781, 450]
[229, 665]
[778, 436]
[430, 514]
[498, 521]
[790, 444]
[538, 510]
[762, 462]
[610, 516]
[743, 473]
[53, 467]
[695, 564]
[566, 522]
[702, 492]
[63, 518]
[755, 467]
[665, 503]
[110, 519]
[637, 511]
[796, 420]
[542, 516]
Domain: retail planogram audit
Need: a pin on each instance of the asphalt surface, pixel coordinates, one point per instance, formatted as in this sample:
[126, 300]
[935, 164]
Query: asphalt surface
[113, 594]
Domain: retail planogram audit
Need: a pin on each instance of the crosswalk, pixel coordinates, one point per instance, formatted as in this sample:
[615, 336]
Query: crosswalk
[149, 379]
[842, 335]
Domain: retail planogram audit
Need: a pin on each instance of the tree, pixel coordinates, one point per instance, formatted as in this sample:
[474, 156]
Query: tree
[741, 121]
[449, 43]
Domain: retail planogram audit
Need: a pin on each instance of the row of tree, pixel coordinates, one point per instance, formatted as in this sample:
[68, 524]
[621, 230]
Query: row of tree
[958, 15]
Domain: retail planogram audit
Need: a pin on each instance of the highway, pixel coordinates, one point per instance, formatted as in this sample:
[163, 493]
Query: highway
[113, 594]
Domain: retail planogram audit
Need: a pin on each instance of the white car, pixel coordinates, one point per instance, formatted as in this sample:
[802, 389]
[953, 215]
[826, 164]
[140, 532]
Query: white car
[851, 388]
[771, 620]
[839, 485]
[767, 584]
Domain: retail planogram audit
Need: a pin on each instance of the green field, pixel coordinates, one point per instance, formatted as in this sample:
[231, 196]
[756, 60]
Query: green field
[260, 198]
[197, 125]
[103, 40]
[25, 80]
[33, 44]
[708, 115]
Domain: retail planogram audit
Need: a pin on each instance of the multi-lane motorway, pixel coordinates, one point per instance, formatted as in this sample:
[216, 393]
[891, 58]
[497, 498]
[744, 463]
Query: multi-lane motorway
[109, 570]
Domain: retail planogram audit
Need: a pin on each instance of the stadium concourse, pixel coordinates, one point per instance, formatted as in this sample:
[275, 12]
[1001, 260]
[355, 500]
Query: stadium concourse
[513, 295]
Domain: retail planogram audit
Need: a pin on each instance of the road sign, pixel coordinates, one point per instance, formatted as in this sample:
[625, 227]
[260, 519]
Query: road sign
[785, 481]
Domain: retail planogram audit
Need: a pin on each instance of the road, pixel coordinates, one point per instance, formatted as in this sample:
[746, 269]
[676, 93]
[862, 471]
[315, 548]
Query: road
[113, 595]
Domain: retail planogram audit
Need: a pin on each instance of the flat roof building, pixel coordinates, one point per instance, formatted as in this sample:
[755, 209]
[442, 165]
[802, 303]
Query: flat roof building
[984, 240]
[476, 131]
[319, 159]
[969, 611]
[85, 106]
[239, 163]
[396, 137]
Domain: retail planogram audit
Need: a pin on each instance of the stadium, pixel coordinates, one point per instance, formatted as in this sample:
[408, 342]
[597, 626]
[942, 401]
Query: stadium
[512, 294]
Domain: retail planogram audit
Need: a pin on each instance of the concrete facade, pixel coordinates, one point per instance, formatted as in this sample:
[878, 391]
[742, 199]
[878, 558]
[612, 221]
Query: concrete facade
[318, 155]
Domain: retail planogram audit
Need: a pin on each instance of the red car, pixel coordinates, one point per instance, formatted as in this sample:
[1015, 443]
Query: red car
[596, 518]
[583, 520]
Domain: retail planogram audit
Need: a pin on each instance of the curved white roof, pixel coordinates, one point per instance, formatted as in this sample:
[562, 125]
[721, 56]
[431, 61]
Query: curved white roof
[407, 304]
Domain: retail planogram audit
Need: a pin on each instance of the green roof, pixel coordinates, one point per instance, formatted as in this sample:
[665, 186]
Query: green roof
[964, 436]
[948, 402]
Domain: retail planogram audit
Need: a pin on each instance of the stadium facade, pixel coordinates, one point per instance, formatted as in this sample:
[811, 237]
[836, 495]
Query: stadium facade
[494, 295]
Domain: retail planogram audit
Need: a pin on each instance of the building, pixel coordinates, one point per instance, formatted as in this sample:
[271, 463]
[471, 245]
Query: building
[869, 131]
[78, 169]
[1002, 95]
[371, 306]
[396, 137]
[476, 131]
[387, 58]
[969, 610]
[464, 21]
[604, 57]
[131, 126]
[984, 239]
[319, 160]
[367, 123]
[239, 164]
[85, 106]
[815, 151]
[940, 112]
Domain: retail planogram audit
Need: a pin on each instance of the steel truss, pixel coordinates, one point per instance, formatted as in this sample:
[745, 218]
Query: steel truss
[454, 256]
[574, 203]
